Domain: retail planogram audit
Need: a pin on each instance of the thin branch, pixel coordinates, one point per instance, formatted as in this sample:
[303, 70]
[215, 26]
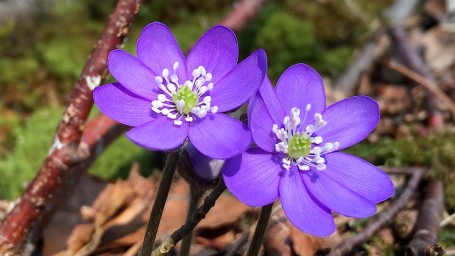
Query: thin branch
[382, 218]
[261, 226]
[191, 223]
[423, 242]
[27, 220]
[160, 201]
[411, 58]
[428, 84]
[242, 13]
[374, 49]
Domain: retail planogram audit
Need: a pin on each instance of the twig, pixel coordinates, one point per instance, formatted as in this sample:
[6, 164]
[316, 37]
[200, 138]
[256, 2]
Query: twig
[382, 218]
[160, 201]
[27, 220]
[241, 241]
[423, 242]
[196, 195]
[428, 84]
[364, 61]
[398, 170]
[189, 225]
[243, 12]
[411, 59]
[395, 14]
[258, 236]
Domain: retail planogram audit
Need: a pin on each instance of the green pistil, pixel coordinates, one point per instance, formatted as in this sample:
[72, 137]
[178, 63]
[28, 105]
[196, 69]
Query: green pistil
[299, 146]
[186, 94]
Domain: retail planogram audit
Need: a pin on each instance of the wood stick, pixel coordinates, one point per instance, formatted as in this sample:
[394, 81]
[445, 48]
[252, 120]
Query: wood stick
[383, 218]
[427, 225]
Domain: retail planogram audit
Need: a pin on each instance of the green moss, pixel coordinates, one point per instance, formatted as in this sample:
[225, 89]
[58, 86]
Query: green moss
[32, 142]
[287, 40]
[435, 151]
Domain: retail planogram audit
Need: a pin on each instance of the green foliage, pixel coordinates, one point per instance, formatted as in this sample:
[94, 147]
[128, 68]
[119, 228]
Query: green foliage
[286, 44]
[33, 141]
[435, 151]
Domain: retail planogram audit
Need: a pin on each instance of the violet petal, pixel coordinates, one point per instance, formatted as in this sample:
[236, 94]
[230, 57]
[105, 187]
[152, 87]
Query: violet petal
[349, 121]
[261, 125]
[301, 208]
[158, 49]
[359, 176]
[205, 167]
[219, 136]
[217, 51]
[159, 134]
[121, 105]
[335, 196]
[298, 86]
[253, 177]
[272, 102]
[241, 83]
[132, 74]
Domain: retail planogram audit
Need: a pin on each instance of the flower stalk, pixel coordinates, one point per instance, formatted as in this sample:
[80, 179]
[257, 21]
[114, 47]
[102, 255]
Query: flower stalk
[160, 201]
[260, 230]
[191, 223]
[196, 195]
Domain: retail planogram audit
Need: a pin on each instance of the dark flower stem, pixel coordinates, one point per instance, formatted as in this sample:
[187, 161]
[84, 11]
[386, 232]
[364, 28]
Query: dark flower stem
[189, 225]
[196, 195]
[160, 201]
[260, 230]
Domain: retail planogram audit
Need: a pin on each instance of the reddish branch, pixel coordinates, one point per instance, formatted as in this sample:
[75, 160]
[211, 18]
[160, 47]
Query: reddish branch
[68, 157]
[383, 218]
[427, 225]
[243, 12]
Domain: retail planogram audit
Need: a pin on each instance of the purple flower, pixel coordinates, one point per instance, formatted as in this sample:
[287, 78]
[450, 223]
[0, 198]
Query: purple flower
[168, 98]
[297, 157]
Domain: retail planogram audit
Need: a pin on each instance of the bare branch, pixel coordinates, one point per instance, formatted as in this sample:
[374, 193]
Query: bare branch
[382, 218]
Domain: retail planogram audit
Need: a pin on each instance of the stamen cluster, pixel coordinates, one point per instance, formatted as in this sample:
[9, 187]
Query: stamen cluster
[184, 99]
[300, 146]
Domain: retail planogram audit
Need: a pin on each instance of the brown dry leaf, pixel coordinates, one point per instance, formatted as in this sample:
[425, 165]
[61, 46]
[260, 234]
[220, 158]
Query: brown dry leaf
[174, 213]
[307, 245]
[114, 215]
[277, 241]
[393, 99]
[114, 197]
[80, 236]
[67, 217]
[227, 211]
[283, 238]
[220, 242]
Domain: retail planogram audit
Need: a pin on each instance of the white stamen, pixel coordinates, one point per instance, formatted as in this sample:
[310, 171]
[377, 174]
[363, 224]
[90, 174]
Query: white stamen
[158, 80]
[291, 127]
[170, 86]
[162, 97]
[165, 73]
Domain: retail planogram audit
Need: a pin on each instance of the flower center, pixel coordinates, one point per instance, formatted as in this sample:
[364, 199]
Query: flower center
[187, 97]
[300, 146]
[183, 101]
